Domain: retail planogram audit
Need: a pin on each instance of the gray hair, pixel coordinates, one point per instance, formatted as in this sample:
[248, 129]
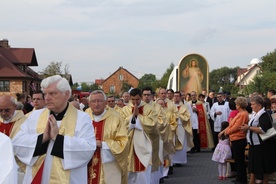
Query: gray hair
[62, 83]
[19, 106]
[97, 92]
[13, 100]
[242, 102]
[258, 100]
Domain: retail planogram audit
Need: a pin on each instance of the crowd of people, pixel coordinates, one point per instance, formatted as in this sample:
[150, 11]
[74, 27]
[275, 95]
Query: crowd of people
[55, 137]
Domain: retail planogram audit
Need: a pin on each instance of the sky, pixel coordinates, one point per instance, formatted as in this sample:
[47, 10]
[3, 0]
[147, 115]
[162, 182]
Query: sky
[96, 37]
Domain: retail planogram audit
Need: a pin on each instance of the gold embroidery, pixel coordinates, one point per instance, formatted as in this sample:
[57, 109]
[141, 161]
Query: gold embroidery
[94, 175]
[95, 160]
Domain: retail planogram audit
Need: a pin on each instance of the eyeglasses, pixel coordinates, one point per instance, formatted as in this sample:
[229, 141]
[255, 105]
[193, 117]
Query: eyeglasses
[5, 110]
[146, 94]
[218, 96]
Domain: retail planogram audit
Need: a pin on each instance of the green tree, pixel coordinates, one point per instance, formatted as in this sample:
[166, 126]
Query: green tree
[147, 80]
[125, 86]
[89, 87]
[223, 77]
[75, 85]
[165, 78]
[266, 79]
[255, 85]
[269, 62]
[54, 68]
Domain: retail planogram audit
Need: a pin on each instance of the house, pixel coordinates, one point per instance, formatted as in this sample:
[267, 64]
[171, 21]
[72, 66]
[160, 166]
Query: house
[114, 83]
[246, 75]
[99, 82]
[15, 72]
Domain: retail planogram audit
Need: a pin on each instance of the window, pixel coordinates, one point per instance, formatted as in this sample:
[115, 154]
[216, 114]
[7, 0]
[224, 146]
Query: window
[121, 77]
[4, 85]
[112, 89]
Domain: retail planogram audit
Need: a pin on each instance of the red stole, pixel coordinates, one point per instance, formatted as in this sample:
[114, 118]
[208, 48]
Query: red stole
[202, 126]
[95, 164]
[166, 163]
[38, 177]
[137, 164]
[6, 128]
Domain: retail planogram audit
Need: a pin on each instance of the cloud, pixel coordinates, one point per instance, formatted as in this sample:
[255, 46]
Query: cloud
[97, 37]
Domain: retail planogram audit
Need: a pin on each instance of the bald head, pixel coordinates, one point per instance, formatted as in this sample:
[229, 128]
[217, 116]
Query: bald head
[7, 107]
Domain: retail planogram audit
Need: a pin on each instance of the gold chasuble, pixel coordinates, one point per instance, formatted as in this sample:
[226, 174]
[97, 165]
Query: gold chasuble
[184, 116]
[58, 174]
[142, 143]
[171, 117]
[11, 129]
[164, 129]
[111, 130]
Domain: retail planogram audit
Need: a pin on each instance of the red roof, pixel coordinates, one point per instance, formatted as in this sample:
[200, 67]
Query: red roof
[20, 55]
[13, 60]
[99, 81]
[120, 69]
[241, 71]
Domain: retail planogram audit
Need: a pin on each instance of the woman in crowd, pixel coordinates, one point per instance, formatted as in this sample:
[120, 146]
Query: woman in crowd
[238, 138]
[21, 100]
[28, 106]
[261, 156]
[233, 113]
[188, 97]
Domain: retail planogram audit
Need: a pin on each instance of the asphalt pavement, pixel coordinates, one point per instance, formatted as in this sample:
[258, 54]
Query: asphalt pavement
[200, 169]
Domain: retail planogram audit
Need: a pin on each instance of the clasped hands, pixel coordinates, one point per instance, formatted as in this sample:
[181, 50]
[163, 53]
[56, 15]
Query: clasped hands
[51, 130]
[135, 111]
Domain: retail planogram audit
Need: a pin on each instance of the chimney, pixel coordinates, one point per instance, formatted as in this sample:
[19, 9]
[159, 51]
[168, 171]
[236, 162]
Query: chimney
[4, 43]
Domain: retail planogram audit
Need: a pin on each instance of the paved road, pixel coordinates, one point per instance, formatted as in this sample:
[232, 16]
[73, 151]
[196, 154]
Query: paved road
[200, 169]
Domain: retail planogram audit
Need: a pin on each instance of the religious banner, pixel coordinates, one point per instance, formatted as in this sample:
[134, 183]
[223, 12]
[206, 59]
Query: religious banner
[193, 74]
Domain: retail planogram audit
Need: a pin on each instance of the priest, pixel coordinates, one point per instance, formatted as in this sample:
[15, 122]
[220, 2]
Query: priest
[109, 162]
[56, 143]
[143, 130]
[10, 119]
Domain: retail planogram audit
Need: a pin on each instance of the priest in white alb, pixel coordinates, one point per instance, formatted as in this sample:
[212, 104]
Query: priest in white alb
[183, 127]
[56, 143]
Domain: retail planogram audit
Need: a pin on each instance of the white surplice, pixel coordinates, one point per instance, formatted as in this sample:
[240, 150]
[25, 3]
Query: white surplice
[218, 119]
[180, 156]
[8, 166]
[77, 150]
